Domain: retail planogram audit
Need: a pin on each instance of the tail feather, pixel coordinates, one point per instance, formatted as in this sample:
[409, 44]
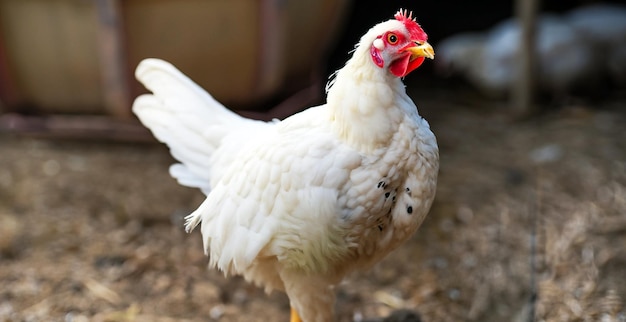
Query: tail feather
[178, 91]
[186, 178]
[185, 117]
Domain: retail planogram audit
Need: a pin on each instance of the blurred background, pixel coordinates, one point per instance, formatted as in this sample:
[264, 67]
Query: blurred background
[529, 221]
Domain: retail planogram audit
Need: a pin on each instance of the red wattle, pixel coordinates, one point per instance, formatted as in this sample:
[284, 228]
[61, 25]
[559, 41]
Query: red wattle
[400, 66]
[417, 62]
[403, 66]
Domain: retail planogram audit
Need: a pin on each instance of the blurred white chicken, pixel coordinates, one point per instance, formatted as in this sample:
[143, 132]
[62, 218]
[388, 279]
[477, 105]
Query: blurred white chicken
[566, 56]
[296, 205]
[462, 55]
[562, 63]
[603, 26]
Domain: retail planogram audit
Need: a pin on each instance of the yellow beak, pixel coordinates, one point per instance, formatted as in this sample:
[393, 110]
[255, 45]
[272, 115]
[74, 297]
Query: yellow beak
[422, 50]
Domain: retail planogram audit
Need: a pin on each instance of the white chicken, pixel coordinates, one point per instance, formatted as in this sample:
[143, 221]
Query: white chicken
[463, 55]
[489, 60]
[296, 205]
[603, 27]
[562, 63]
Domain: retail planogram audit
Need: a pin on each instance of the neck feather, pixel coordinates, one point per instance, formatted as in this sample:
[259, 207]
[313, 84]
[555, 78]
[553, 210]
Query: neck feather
[367, 103]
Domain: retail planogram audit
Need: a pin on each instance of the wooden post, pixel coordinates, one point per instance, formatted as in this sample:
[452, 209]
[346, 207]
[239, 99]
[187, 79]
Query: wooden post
[523, 91]
[113, 60]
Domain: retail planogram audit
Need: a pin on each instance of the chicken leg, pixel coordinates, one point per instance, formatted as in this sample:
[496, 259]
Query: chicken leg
[294, 316]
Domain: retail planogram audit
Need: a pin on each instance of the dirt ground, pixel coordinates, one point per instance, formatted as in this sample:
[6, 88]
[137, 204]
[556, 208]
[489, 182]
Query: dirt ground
[529, 219]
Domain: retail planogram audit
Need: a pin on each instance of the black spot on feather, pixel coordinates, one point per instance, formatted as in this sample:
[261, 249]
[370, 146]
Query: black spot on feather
[387, 194]
[409, 209]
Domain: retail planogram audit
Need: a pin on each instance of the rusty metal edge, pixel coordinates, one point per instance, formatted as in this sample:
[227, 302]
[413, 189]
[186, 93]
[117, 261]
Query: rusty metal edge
[75, 127]
[108, 128]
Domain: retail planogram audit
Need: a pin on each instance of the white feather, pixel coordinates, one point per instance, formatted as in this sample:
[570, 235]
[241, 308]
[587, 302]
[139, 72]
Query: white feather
[191, 122]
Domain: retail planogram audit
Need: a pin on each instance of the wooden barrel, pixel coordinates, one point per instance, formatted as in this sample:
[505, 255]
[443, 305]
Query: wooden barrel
[78, 56]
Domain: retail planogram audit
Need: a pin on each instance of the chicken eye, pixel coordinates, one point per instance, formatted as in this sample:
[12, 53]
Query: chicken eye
[392, 38]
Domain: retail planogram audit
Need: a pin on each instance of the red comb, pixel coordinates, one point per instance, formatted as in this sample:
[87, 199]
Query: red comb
[406, 17]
